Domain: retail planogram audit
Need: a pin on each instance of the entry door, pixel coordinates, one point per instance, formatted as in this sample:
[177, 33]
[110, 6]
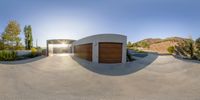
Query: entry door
[110, 52]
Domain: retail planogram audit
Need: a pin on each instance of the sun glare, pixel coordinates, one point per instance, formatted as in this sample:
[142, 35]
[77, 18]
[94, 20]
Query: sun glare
[59, 45]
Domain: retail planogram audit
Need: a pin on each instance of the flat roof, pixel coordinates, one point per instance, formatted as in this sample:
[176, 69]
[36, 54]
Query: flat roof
[60, 41]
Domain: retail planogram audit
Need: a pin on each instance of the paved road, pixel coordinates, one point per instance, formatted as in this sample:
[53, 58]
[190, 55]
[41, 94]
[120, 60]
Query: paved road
[62, 78]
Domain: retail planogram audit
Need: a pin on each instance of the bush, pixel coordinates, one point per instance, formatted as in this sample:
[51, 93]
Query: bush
[20, 47]
[129, 56]
[143, 44]
[129, 45]
[197, 50]
[185, 49]
[1, 45]
[33, 53]
[7, 55]
[197, 43]
[170, 49]
[44, 51]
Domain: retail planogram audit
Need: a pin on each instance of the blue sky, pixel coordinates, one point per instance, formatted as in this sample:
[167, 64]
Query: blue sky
[75, 19]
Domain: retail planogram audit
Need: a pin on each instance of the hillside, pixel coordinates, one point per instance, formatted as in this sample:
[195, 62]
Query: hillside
[151, 40]
[158, 45]
[162, 46]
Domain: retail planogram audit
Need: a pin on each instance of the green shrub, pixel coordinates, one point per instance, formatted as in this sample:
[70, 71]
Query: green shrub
[129, 45]
[20, 47]
[129, 56]
[7, 55]
[197, 43]
[1, 45]
[197, 50]
[33, 51]
[170, 49]
[43, 52]
[186, 49]
[143, 44]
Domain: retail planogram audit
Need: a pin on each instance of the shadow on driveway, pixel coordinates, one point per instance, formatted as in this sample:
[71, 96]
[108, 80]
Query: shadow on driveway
[23, 61]
[187, 60]
[117, 69]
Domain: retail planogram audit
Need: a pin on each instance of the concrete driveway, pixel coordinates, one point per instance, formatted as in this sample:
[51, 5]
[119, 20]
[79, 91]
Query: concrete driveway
[63, 78]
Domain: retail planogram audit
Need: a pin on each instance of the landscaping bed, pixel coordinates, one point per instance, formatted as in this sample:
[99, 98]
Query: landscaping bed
[14, 55]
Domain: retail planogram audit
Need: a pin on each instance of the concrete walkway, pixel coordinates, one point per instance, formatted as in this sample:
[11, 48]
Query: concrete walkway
[62, 78]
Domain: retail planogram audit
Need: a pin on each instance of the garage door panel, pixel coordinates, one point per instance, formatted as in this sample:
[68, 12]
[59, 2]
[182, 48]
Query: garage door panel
[110, 56]
[84, 51]
[113, 49]
[110, 52]
[106, 53]
[104, 46]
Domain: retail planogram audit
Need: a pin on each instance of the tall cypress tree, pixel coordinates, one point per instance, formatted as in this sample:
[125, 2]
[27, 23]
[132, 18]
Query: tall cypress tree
[28, 37]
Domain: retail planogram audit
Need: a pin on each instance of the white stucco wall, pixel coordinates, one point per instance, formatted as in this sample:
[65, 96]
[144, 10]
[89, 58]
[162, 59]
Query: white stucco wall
[95, 39]
[23, 52]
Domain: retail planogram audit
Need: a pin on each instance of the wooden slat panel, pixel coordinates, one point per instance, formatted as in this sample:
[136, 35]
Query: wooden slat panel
[110, 52]
[84, 51]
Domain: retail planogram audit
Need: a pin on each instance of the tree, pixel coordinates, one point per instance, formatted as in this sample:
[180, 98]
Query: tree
[186, 48]
[191, 48]
[10, 35]
[1, 44]
[197, 51]
[28, 37]
[197, 43]
[129, 44]
[144, 44]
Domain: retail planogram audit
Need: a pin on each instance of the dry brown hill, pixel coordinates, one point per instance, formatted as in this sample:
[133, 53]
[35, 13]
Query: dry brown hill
[160, 45]
[151, 40]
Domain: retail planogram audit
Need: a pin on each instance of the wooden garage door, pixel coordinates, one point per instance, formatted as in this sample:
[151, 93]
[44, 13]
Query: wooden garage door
[84, 51]
[110, 52]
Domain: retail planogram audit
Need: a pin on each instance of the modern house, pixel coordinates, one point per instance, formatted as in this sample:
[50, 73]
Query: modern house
[101, 48]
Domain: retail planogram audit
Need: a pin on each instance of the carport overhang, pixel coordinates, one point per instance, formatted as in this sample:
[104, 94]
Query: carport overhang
[57, 42]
